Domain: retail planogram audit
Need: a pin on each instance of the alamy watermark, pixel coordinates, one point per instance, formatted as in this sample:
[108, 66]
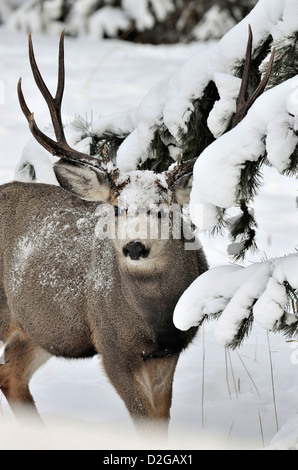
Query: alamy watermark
[2, 346]
[156, 222]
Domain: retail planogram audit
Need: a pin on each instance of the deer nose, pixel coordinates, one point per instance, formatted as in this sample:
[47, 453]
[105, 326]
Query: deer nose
[136, 250]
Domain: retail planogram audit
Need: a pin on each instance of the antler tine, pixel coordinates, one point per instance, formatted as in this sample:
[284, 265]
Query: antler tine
[54, 104]
[61, 70]
[263, 83]
[60, 148]
[182, 168]
[244, 104]
[241, 102]
[55, 148]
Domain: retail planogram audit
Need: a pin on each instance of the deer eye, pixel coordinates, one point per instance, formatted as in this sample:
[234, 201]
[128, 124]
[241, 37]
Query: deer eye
[118, 211]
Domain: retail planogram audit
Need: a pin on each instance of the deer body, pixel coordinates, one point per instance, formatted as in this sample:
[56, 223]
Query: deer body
[66, 292]
[70, 289]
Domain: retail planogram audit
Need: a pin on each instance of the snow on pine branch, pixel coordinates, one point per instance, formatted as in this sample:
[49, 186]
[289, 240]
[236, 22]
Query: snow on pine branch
[169, 106]
[270, 129]
[227, 174]
[239, 296]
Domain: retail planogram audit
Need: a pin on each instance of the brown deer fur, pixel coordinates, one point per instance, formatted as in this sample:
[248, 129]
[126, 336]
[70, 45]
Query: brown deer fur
[67, 293]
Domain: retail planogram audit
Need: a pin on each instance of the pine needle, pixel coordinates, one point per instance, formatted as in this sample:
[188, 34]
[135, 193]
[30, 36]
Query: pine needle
[227, 374]
[249, 375]
[261, 429]
[233, 376]
[272, 382]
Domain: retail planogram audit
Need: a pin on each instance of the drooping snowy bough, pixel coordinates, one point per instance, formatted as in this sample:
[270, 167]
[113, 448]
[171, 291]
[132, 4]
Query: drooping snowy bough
[238, 295]
[227, 174]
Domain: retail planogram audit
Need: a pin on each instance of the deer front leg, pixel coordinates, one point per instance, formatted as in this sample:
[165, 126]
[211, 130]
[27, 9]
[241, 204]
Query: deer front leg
[145, 387]
[21, 359]
[155, 380]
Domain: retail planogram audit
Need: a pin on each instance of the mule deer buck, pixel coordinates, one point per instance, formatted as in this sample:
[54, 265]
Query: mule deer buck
[67, 290]
[72, 289]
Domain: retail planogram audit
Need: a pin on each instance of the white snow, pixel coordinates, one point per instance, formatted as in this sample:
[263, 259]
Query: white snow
[30, 18]
[228, 89]
[217, 171]
[214, 24]
[215, 406]
[189, 83]
[138, 9]
[235, 290]
[40, 159]
[107, 20]
[143, 190]
[84, 18]
[162, 8]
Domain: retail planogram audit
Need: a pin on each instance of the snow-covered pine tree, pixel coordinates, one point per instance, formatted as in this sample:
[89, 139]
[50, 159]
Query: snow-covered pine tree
[228, 173]
[7, 7]
[195, 108]
[219, 16]
[147, 21]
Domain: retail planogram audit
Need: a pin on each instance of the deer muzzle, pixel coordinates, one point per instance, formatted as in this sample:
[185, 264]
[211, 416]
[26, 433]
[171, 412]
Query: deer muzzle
[136, 250]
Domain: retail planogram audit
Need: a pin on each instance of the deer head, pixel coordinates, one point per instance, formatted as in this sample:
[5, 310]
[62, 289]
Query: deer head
[136, 198]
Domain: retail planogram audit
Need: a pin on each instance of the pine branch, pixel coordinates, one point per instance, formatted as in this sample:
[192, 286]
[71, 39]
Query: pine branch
[198, 135]
[292, 169]
[243, 332]
[159, 158]
[251, 180]
[286, 60]
[106, 144]
[242, 232]
[288, 325]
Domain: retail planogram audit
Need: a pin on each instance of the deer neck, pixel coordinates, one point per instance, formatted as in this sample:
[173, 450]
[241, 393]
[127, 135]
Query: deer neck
[156, 289]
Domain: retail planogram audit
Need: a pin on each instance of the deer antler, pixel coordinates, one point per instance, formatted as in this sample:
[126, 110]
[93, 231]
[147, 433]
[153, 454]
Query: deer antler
[61, 147]
[243, 106]
[181, 168]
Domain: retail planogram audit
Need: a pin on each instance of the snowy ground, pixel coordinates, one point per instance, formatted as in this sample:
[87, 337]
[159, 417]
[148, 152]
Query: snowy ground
[222, 400]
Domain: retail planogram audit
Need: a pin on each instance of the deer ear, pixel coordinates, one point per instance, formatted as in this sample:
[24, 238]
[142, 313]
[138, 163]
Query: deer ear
[182, 188]
[83, 181]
